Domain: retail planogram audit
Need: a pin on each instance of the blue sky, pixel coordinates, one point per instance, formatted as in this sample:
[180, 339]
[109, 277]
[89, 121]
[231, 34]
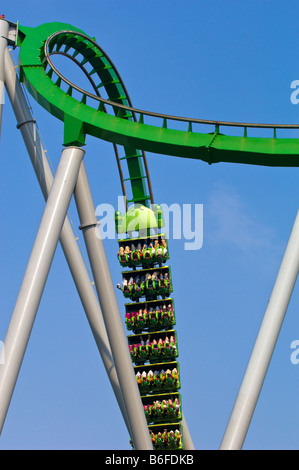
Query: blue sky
[231, 61]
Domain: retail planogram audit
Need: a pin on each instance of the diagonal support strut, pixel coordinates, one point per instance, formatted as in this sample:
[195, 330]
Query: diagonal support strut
[36, 274]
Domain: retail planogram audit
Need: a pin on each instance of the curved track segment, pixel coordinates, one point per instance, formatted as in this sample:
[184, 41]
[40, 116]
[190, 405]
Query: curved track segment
[38, 45]
[90, 116]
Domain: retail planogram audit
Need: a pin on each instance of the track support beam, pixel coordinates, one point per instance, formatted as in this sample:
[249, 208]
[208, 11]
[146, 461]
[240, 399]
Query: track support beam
[111, 314]
[264, 346]
[36, 274]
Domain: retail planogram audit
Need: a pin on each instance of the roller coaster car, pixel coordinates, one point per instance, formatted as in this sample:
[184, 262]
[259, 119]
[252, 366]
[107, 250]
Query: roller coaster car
[158, 378]
[150, 283]
[162, 408]
[154, 315]
[139, 218]
[159, 346]
[143, 251]
[167, 436]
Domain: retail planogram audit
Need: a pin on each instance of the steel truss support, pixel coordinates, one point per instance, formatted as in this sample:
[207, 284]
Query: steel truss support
[68, 242]
[36, 274]
[264, 346]
[111, 314]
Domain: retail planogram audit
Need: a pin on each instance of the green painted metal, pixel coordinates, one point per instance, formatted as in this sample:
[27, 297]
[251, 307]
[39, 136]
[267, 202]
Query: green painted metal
[48, 89]
[139, 218]
[80, 118]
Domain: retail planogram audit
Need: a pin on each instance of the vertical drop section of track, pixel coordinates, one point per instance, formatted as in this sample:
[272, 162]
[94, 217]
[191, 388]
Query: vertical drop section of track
[147, 282]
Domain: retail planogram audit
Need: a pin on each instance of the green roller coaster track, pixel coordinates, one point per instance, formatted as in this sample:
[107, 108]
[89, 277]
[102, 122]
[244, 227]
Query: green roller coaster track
[115, 120]
[121, 126]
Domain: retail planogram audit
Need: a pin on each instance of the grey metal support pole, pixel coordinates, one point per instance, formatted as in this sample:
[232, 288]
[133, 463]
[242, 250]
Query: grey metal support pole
[264, 346]
[187, 439]
[68, 242]
[4, 27]
[36, 274]
[111, 314]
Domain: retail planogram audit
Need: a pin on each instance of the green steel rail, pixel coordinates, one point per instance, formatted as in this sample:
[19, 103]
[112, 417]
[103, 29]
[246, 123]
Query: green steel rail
[38, 45]
[124, 125]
